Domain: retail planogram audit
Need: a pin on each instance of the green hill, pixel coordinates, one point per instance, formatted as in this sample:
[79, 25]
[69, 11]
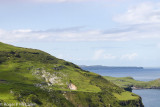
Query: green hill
[30, 77]
[128, 83]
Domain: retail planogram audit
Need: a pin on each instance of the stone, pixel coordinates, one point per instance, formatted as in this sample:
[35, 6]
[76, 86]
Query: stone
[72, 86]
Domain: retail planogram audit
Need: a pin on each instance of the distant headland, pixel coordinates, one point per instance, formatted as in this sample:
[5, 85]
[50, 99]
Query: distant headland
[95, 67]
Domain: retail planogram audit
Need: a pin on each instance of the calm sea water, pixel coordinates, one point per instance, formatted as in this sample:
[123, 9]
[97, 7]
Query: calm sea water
[145, 74]
[150, 97]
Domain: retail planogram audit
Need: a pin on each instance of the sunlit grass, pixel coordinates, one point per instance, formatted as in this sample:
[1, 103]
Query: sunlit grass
[17, 66]
[126, 96]
[130, 82]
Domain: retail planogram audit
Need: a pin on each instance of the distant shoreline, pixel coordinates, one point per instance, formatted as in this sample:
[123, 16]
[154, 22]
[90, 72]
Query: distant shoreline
[129, 84]
[95, 67]
[137, 88]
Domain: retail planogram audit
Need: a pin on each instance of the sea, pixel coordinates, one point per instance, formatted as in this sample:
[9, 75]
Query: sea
[150, 97]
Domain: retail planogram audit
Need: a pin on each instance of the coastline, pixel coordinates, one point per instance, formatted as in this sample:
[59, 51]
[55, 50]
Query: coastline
[129, 83]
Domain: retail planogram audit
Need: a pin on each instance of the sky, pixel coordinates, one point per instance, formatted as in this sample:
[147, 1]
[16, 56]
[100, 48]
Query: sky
[86, 32]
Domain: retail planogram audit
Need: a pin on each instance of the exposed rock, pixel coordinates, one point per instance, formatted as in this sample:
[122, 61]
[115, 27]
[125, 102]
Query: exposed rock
[49, 78]
[3, 81]
[72, 86]
[11, 91]
[58, 68]
[129, 88]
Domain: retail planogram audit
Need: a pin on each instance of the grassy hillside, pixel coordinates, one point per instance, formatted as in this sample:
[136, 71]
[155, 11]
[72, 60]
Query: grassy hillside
[126, 82]
[35, 78]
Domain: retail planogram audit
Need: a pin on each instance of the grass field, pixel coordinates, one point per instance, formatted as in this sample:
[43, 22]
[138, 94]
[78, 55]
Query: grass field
[33, 76]
[125, 82]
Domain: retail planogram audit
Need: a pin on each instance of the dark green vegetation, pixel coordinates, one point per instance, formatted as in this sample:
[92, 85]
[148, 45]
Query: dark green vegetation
[33, 77]
[128, 82]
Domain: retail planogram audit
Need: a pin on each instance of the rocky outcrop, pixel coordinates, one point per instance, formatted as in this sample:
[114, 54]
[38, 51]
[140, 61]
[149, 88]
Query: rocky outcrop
[3, 81]
[72, 86]
[132, 103]
[50, 78]
[129, 88]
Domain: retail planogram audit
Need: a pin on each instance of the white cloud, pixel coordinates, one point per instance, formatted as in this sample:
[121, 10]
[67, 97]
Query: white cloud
[101, 54]
[22, 31]
[131, 56]
[135, 32]
[54, 1]
[45, 1]
[142, 13]
[61, 1]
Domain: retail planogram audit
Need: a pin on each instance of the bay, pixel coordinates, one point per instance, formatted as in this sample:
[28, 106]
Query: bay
[146, 74]
[150, 97]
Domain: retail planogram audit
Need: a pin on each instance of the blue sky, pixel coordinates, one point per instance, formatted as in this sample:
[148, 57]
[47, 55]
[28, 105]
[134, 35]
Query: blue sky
[86, 32]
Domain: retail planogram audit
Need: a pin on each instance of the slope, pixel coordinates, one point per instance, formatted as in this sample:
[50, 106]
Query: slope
[129, 82]
[30, 77]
